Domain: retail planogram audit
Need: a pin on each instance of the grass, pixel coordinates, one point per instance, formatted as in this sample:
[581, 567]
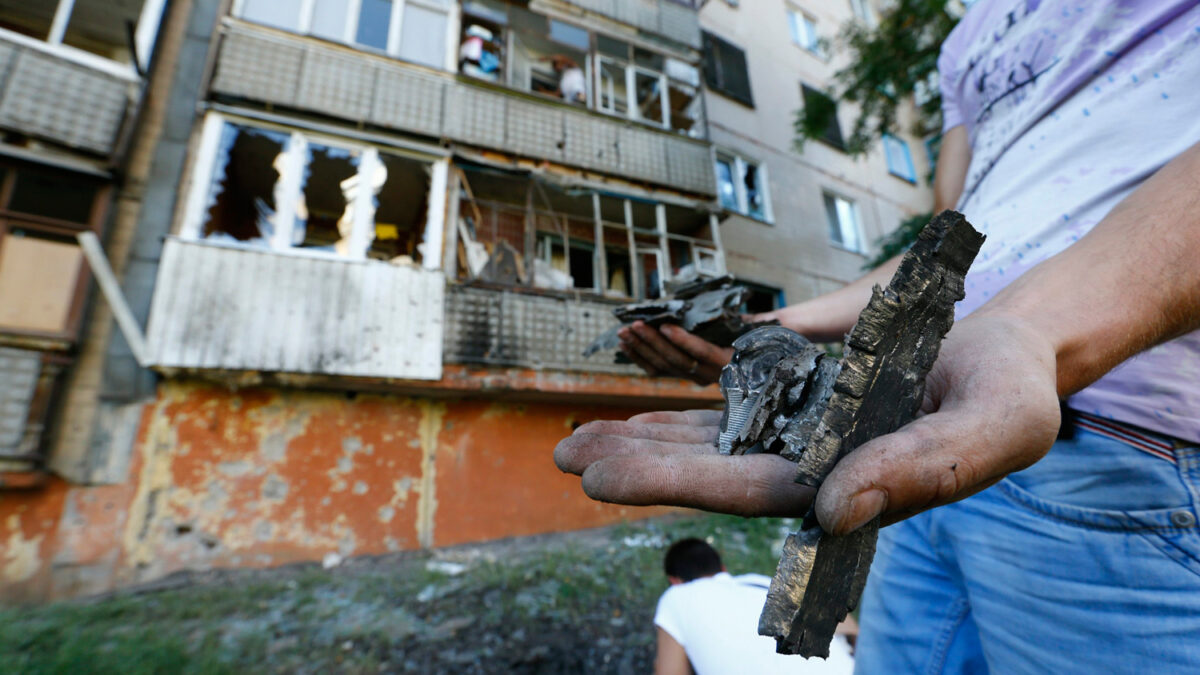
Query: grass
[552, 604]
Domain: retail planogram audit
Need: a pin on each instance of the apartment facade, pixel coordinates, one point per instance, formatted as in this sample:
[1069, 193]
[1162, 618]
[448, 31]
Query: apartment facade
[361, 246]
[801, 223]
[371, 243]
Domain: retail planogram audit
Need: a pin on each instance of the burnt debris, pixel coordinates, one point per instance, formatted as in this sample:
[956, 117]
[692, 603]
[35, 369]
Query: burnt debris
[706, 308]
[785, 396]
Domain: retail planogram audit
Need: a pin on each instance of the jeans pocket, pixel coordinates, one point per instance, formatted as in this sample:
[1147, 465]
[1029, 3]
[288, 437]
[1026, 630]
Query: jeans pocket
[1173, 531]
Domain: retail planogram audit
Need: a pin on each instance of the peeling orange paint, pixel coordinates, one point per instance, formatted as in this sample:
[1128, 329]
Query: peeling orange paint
[266, 476]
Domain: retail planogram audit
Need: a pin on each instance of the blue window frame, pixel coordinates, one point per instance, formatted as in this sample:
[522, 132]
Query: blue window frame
[899, 158]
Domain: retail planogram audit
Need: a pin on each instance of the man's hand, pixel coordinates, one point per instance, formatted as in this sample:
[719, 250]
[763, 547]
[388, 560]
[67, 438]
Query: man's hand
[672, 351]
[671, 458]
[990, 408]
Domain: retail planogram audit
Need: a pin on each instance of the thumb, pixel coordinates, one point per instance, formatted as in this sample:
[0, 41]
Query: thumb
[922, 465]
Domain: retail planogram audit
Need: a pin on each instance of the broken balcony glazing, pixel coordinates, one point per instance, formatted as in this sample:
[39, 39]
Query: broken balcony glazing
[506, 44]
[281, 190]
[581, 239]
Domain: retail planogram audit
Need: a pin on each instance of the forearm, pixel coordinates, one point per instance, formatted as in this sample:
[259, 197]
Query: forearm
[1129, 284]
[827, 318]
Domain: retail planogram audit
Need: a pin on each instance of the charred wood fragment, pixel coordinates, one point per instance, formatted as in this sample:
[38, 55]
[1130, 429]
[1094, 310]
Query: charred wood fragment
[785, 396]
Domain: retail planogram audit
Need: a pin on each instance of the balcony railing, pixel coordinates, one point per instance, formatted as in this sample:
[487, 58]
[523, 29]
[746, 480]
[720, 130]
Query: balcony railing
[225, 308]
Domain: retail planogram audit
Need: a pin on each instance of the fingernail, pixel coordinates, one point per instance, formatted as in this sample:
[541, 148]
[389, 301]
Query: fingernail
[864, 506]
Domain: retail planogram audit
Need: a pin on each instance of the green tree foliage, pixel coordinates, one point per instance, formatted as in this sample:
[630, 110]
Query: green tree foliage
[887, 64]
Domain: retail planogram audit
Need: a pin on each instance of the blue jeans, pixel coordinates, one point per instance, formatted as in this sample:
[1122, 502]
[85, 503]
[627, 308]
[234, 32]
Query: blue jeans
[1087, 562]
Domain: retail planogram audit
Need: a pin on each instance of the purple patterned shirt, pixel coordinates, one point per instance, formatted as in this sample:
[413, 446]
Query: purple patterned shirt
[1069, 106]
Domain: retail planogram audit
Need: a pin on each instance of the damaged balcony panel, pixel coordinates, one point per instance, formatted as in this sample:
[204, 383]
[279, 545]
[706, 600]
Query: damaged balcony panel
[505, 328]
[534, 130]
[223, 308]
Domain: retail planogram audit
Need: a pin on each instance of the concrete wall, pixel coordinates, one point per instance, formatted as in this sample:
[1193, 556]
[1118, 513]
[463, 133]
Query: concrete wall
[266, 476]
[795, 253]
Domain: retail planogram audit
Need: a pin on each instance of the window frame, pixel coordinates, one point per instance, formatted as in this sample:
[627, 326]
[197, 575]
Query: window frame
[838, 143]
[739, 164]
[53, 227]
[145, 34]
[199, 190]
[810, 41]
[863, 11]
[902, 145]
[631, 69]
[856, 214]
[307, 9]
[714, 76]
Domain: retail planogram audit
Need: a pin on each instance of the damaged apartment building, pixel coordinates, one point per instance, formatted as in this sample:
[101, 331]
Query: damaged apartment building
[357, 250]
[374, 239]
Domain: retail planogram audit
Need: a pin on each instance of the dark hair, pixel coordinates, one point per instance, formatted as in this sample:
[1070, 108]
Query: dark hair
[691, 559]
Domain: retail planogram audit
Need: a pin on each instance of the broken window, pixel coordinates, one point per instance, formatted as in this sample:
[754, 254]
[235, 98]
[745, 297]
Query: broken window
[529, 51]
[369, 24]
[693, 250]
[608, 244]
[100, 27]
[742, 186]
[725, 69]
[242, 193]
[821, 109]
[761, 298]
[283, 190]
[401, 207]
[646, 86]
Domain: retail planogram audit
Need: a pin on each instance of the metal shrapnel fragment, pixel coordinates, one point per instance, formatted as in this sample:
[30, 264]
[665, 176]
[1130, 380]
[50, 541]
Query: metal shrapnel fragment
[708, 309]
[814, 411]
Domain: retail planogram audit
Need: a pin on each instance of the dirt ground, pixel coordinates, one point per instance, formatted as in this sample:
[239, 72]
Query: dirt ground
[579, 602]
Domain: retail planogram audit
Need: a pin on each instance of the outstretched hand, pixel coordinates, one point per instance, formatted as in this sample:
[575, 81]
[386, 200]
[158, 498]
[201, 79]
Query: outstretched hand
[671, 458]
[990, 408]
[672, 351]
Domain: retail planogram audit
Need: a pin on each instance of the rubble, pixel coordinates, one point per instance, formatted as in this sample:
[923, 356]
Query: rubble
[785, 396]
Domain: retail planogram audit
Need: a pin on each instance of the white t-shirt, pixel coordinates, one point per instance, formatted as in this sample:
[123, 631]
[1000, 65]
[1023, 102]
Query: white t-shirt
[716, 620]
[1069, 106]
[573, 85]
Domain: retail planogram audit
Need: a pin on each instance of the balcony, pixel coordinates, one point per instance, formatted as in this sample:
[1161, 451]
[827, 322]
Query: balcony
[506, 327]
[669, 18]
[226, 308]
[67, 101]
[287, 71]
